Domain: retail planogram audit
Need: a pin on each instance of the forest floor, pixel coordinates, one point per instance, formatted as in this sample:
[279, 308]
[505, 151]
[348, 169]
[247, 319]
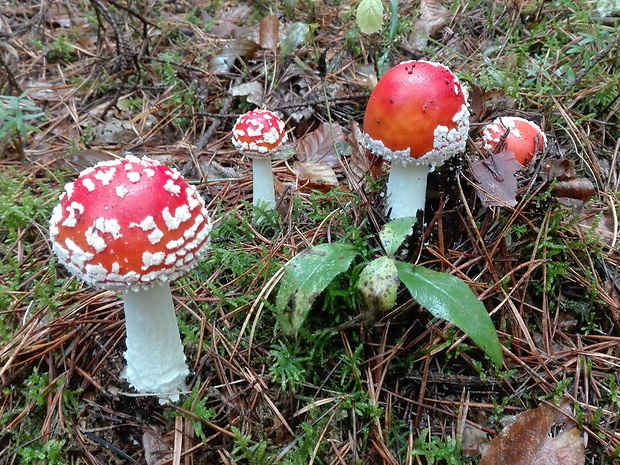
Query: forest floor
[83, 81]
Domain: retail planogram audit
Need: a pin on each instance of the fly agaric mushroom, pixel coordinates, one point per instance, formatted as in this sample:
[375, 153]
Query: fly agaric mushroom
[522, 137]
[135, 225]
[260, 134]
[416, 118]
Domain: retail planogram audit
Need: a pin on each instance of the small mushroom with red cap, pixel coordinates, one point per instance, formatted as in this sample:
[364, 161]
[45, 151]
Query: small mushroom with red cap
[135, 225]
[416, 118]
[522, 137]
[259, 135]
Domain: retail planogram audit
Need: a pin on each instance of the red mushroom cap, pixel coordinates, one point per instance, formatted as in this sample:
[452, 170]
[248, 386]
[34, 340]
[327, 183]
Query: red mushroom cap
[259, 133]
[129, 223]
[521, 136]
[418, 110]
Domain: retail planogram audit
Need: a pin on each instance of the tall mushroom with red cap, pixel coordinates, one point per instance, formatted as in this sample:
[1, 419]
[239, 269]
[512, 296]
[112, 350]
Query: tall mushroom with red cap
[259, 135]
[416, 118]
[135, 225]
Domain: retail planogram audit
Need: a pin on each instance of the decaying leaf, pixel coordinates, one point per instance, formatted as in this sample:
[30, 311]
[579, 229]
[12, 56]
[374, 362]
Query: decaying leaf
[268, 32]
[557, 169]
[156, 451]
[497, 183]
[315, 175]
[358, 165]
[252, 91]
[472, 441]
[527, 441]
[319, 146]
[225, 59]
[433, 18]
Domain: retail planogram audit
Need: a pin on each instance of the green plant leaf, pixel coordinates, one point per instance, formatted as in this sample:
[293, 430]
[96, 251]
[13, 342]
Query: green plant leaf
[305, 277]
[394, 233]
[369, 16]
[447, 297]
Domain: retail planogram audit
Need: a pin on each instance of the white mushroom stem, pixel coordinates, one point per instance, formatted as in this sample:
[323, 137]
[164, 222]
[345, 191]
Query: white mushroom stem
[263, 190]
[155, 358]
[406, 189]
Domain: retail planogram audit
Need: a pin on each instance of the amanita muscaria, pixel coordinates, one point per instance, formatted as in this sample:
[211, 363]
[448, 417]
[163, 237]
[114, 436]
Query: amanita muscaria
[135, 225]
[522, 137]
[259, 135]
[416, 118]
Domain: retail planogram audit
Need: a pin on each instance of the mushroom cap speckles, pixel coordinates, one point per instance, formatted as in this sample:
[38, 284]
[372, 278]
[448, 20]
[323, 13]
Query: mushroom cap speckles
[258, 133]
[417, 113]
[129, 223]
[519, 135]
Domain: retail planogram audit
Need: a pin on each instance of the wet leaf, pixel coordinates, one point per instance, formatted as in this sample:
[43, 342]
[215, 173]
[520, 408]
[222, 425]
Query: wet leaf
[319, 146]
[497, 183]
[315, 175]
[369, 16]
[268, 32]
[527, 441]
[394, 234]
[447, 297]
[305, 278]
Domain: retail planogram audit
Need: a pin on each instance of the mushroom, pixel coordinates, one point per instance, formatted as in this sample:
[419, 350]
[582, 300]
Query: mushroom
[416, 118]
[260, 134]
[135, 225]
[519, 135]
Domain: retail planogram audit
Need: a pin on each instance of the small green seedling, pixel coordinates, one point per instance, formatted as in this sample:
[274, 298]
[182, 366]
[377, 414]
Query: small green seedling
[445, 296]
[16, 113]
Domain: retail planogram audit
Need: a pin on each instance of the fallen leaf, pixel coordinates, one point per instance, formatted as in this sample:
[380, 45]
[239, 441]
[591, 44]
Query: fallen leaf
[433, 18]
[527, 441]
[316, 175]
[252, 91]
[358, 164]
[566, 448]
[557, 169]
[225, 59]
[268, 33]
[594, 222]
[497, 183]
[319, 146]
[579, 189]
[472, 441]
[156, 451]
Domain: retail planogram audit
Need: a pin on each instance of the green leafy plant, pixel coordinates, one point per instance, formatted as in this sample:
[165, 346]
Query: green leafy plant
[445, 296]
[16, 115]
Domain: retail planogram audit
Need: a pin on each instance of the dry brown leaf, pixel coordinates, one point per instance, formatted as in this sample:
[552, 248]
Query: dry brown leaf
[433, 18]
[527, 441]
[359, 165]
[497, 183]
[225, 59]
[318, 145]
[315, 175]
[268, 32]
